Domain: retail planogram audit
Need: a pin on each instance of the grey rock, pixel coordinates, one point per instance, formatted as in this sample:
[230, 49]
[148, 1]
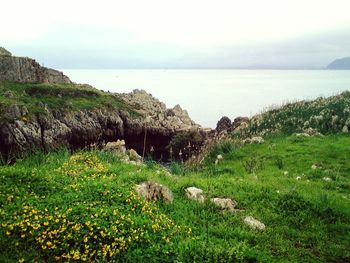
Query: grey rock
[81, 128]
[117, 147]
[134, 156]
[254, 223]
[224, 124]
[226, 204]
[154, 192]
[4, 52]
[195, 194]
[21, 69]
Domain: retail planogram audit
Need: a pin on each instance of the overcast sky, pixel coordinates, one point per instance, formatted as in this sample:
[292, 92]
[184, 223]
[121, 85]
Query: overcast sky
[178, 33]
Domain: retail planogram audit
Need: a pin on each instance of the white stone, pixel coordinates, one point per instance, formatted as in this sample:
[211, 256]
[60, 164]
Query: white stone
[154, 191]
[195, 193]
[254, 224]
[226, 204]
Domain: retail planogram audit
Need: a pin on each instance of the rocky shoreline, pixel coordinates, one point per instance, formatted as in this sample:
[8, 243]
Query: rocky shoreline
[151, 130]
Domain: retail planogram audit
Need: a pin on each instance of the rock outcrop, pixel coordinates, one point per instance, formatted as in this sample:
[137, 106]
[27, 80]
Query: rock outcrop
[158, 115]
[4, 52]
[148, 131]
[79, 129]
[224, 124]
[22, 69]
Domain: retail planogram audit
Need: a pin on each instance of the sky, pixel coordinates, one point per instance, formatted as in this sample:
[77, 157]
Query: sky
[177, 34]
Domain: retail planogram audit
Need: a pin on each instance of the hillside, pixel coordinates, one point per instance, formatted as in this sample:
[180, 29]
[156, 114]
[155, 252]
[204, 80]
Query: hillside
[341, 63]
[60, 206]
[74, 188]
[323, 115]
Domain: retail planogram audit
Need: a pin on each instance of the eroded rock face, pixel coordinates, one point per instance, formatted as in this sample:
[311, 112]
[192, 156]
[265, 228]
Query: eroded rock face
[154, 192]
[149, 132]
[4, 52]
[21, 69]
[159, 116]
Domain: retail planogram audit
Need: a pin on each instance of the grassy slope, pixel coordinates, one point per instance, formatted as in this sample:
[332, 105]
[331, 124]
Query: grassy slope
[69, 97]
[326, 115]
[307, 220]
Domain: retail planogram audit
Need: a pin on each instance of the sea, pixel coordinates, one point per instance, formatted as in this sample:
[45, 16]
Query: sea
[209, 94]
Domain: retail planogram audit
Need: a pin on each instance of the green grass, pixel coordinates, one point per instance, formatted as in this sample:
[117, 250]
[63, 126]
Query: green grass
[326, 115]
[307, 220]
[67, 97]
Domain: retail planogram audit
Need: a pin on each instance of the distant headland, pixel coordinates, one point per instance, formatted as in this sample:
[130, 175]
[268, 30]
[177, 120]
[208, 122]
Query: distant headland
[341, 63]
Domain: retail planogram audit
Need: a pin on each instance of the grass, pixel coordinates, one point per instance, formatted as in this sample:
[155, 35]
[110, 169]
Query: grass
[67, 97]
[326, 115]
[307, 219]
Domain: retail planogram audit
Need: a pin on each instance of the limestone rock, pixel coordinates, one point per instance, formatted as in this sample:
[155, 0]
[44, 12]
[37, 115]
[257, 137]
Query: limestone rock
[117, 147]
[134, 156]
[226, 204]
[158, 116]
[153, 192]
[4, 52]
[22, 69]
[21, 130]
[240, 123]
[254, 140]
[345, 129]
[195, 194]
[224, 124]
[254, 223]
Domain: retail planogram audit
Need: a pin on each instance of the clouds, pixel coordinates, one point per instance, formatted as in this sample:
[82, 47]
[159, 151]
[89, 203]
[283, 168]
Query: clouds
[163, 33]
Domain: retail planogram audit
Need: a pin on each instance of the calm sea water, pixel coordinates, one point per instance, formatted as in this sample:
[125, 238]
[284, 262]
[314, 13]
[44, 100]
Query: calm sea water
[210, 94]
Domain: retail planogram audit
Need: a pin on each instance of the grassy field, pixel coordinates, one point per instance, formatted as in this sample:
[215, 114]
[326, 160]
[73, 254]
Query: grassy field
[68, 97]
[63, 207]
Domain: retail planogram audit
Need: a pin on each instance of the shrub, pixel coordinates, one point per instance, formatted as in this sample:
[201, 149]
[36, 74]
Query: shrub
[188, 143]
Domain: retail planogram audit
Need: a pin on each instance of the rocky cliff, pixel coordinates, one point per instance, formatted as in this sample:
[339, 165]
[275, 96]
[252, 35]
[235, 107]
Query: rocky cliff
[21, 69]
[46, 115]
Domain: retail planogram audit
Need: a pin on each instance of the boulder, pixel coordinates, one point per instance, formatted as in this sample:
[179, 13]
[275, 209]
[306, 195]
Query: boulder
[117, 147]
[254, 223]
[154, 192]
[224, 124]
[226, 204]
[134, 156]
[195, 194]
